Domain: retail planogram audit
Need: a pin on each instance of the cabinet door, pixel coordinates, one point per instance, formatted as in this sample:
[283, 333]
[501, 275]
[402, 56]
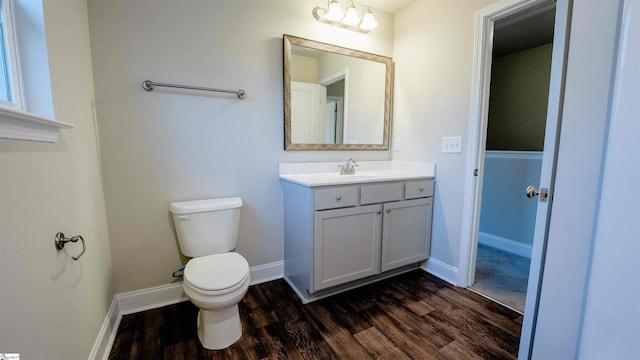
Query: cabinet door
[406, 236]
[346, 245]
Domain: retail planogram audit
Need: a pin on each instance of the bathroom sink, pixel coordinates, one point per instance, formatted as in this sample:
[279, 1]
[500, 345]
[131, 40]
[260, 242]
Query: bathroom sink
[356, 177]
[327, 174]
[334, 178]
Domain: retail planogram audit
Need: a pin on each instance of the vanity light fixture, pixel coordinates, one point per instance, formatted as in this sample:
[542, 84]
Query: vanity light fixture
[334, 13]
[351, 17]
[368, 21]
[350, 20]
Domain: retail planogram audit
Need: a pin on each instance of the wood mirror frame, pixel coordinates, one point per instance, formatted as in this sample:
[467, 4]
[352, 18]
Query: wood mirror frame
[288, 42]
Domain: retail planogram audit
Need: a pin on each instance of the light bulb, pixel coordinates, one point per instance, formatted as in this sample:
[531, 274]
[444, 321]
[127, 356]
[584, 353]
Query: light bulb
[334, 13]
[351, 18]
[368, 21]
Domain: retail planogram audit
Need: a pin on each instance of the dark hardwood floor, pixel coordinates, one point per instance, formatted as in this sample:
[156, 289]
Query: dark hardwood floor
[410, 316]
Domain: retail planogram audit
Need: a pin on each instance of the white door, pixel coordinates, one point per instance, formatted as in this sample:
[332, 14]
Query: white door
[580, 196]
[485, 20]
[306, 123]
[544, 189]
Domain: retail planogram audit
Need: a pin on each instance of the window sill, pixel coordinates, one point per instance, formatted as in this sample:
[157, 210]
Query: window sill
[21, 125]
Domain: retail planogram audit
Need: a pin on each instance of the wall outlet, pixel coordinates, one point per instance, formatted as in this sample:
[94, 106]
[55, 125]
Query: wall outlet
[452, 145]
[396, 144]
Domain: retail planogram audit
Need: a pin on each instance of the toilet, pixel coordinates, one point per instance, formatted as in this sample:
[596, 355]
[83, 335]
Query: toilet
[216, 278]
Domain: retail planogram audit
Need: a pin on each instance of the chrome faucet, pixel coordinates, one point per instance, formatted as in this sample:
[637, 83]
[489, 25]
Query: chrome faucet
[349, 168]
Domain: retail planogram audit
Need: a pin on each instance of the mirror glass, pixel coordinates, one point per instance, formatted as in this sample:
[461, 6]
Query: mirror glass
[335, 98]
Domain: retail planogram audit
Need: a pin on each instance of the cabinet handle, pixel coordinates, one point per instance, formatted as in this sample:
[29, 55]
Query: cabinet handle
[379, 212]
[421, 189]
[338, 197]
[388, 210]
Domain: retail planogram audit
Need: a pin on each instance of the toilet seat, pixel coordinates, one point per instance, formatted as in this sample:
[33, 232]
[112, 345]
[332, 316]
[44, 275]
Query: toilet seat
[216, 274]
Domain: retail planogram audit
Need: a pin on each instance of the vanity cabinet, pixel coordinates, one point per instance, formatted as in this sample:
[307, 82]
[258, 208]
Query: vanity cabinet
[346, 245]
[340, 237]
[406, 234]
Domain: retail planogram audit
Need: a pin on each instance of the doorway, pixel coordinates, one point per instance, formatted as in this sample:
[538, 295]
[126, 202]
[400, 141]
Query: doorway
[477, 140]
[518, 97]
[334, 110]
[336, 101]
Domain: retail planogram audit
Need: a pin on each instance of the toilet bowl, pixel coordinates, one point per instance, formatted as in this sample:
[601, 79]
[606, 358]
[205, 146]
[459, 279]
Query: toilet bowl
[216, 278]
[216, 284]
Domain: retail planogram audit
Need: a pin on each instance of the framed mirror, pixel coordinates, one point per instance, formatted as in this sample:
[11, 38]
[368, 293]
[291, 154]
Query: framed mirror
[335, 98]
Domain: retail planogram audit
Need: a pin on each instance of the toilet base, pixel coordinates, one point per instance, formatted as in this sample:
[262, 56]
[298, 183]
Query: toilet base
[219, 329]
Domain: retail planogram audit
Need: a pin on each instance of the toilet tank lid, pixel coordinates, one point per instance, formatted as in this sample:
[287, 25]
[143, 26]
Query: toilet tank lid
[196, 206]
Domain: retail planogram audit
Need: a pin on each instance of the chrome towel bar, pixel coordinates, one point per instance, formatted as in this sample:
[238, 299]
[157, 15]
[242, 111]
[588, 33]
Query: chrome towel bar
[148, 85]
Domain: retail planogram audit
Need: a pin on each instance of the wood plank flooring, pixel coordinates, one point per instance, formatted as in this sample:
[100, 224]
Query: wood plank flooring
[410, 316]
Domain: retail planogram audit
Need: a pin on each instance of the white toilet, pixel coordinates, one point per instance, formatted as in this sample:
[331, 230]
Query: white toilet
[215, 279]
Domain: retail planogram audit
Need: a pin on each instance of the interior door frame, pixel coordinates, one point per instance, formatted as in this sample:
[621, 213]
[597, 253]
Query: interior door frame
[477, 136]
[483, 48]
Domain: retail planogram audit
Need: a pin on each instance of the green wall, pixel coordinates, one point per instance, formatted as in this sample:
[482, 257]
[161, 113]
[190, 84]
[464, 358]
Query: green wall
[518, 100]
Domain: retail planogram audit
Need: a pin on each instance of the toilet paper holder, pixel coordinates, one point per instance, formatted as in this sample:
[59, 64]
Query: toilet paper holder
[61, 240]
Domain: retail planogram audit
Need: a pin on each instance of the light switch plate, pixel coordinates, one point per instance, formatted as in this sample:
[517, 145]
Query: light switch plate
[452, 145]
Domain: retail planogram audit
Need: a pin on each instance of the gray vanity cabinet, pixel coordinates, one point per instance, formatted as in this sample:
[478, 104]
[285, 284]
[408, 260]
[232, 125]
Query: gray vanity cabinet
[346, 246]
[340, 237]
[406, 234]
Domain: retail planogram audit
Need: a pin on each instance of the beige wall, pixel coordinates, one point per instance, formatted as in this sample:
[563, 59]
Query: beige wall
[304, 69]
[518, 101]
[173, 145]
[434, 55]
[169, 146]
[51, 306]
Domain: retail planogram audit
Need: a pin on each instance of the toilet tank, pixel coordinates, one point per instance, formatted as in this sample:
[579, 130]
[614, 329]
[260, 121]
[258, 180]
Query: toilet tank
[206, 227]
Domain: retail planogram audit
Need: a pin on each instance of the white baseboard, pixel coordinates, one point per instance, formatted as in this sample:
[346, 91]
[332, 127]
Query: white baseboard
[440, 269]
[107, 333]
[505, 244]
[267, 272]
[158, 296]
[150, 298]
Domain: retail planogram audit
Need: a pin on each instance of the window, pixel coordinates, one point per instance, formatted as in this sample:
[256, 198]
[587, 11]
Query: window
[10, 85]
[22, 26]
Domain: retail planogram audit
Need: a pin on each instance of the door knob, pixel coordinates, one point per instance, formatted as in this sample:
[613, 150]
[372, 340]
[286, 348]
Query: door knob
[531, 191]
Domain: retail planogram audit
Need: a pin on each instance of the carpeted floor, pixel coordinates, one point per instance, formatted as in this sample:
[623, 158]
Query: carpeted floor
[502, 276]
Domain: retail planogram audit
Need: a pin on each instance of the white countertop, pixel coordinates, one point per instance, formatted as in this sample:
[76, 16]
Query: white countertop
[327, 173]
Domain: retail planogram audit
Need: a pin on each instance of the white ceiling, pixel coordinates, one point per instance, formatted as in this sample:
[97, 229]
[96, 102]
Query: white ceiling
[390, 6]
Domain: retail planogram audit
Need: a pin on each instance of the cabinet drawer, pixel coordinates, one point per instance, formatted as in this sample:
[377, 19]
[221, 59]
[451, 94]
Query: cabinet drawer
[418, 189]
[337, 197]
[377, 193]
